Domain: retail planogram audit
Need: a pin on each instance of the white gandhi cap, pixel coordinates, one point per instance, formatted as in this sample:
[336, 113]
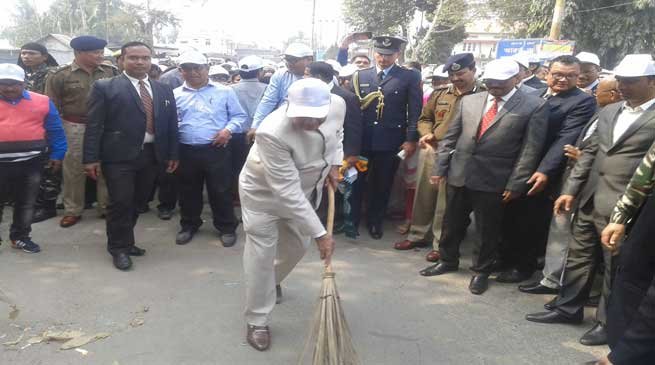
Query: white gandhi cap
[348, 70]
[298, 50]
[250, 63]
[10, 71]
[588, 57]
[308, 98]
[635, 65]
[336, 66]
[218, 70]
[438, 72]
[194, 57]
[501, 69]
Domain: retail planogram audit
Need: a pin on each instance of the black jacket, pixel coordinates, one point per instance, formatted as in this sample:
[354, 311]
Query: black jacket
[352, 125]
[534, 82]
[117, 122]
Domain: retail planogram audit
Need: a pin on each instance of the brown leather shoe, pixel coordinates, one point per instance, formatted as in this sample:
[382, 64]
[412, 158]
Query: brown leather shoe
[433, 256]
[408, 245]
[259, 337]
[70, 220]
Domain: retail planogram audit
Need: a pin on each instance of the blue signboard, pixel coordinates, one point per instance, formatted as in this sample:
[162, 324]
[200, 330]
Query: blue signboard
[510, 47]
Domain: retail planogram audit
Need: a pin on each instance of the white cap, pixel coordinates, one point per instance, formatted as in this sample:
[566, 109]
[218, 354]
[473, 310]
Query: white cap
[194, 57]
[348, 70]
[10, 71]
[635, 65]
[438, 72]
[298, 50]
[308, 98]
[250, 63]
[501, 69]
[336, 66]
[218, 70]
[588, 57]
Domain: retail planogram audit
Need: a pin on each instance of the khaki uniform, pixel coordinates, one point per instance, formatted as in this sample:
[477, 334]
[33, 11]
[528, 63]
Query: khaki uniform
[69, 88]
[430, 202]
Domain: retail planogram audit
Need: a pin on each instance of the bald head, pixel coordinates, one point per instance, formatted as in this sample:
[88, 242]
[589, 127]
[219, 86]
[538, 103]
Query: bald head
[607, 92]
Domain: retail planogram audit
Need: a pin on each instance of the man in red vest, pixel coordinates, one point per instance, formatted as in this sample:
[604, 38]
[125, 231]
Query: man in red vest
[30, 132]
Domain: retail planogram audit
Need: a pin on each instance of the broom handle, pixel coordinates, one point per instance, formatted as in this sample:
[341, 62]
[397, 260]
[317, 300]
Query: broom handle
[330, 217]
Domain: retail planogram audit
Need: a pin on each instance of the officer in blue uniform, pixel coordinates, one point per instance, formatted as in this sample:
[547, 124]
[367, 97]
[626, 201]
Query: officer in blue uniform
[391, 102]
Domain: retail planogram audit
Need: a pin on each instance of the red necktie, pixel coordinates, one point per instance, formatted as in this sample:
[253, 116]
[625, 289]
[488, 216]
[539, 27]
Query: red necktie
[146, 99]
[488, 118]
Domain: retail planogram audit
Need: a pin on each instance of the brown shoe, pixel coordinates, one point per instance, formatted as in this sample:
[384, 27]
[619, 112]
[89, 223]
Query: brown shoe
[259, 337]
[70, 220]
[433, 256]
[408, 245]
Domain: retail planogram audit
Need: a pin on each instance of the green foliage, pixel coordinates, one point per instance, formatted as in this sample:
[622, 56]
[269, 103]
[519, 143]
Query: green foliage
[447, 18]
[379, 16]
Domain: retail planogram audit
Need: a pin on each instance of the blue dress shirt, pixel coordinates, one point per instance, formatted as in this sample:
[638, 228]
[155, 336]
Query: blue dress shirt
[206, 111]
[275, 94]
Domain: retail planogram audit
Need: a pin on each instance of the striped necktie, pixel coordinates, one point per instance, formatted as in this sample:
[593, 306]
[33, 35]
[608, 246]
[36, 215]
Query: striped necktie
[488, 118]
[146, 99]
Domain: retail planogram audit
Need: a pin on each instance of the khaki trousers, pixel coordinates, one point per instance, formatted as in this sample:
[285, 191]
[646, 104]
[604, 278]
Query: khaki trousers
[429, 203]
[273, 248]
[74, 176]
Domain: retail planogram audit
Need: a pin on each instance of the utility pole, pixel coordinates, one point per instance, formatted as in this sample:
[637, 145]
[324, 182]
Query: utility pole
[558, 14]
[314, 26]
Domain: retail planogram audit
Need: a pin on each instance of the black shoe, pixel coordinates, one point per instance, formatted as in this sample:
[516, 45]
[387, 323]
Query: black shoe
[278, 294]
[513, 276]
[550, 305]
[122, 261]
[479, 284]
[165, 214]
[596, 336]
[136, 251]
[185, 236]
[42, 214]
[375, 230]
[437, 269]
[537, 288]
[554, 317]
[228, 239]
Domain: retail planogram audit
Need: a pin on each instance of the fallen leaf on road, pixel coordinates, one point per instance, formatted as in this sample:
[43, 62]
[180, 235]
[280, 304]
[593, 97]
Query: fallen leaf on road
[136, 322]
[61, 335]
[35, 340]
[14, 343]
[82, 351]
[26, 346]
[83, 340]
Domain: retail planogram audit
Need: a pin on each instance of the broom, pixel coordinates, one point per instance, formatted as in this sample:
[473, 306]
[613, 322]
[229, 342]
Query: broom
[329, 341]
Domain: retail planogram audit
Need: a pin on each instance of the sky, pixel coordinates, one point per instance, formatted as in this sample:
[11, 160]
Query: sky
[268, 23]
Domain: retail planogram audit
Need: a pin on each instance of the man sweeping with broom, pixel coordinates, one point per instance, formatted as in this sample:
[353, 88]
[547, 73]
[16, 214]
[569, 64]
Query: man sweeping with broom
[297, 147]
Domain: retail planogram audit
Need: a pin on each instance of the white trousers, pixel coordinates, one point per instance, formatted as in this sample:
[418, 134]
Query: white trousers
[273, 248]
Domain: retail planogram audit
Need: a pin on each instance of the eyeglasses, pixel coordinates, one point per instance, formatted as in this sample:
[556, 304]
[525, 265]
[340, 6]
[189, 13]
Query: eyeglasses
[558, 76]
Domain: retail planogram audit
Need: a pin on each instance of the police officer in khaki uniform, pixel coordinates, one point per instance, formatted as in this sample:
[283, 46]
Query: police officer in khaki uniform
[429, 203]
[69, 89]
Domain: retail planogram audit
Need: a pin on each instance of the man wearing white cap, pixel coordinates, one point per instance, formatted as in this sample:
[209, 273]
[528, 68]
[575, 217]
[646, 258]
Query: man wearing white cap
[219, 74]
[209, 114]
[31, 133]
[589, 70]
[623, 135]
[488, 153]
[296, 57]
[297, 147]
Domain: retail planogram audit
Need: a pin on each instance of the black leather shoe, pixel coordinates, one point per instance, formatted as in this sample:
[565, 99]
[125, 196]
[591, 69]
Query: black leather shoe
[42, 214]
[136, 251]
[512, 276]
[596, 336]
[537, 288]
[437, 269]
[550, 306]
[554, 317]
[185, 236]
[375, 230]
[122, 261]
[479, 284]
[165, 214]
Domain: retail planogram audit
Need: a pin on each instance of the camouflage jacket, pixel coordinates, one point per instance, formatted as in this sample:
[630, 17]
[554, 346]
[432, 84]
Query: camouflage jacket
[638, 190]
[36, 78]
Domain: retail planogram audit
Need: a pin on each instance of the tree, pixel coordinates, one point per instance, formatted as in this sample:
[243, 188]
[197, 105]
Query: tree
[604, 27]
[380, 16]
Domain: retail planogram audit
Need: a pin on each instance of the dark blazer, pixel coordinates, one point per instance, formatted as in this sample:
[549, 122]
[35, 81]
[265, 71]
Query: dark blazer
[534, 82]
[508, 152]
[403, 101]
[631, 311]
[117, 122]
[352, 125]
[569, 112]
[605, 168]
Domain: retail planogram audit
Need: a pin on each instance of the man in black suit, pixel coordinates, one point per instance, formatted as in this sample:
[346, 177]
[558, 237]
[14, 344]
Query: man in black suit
[528, 219]
[132, 128]
[391, 101]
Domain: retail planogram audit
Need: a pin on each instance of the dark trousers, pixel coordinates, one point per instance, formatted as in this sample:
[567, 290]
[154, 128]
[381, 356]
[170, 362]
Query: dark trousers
[168, 186]
[22, 180]
[488, 211]
[376, 184]
[525, 231]
[49, 189]
[129, 185]
[206, 165]
[584, 256]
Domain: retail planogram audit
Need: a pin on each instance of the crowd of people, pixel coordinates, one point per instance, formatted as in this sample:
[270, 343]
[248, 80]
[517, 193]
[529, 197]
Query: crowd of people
[551, 161]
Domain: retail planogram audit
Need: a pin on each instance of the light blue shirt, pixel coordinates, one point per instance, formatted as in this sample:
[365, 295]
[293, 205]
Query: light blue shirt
[204, 112]
[275, 94]
[386, 70]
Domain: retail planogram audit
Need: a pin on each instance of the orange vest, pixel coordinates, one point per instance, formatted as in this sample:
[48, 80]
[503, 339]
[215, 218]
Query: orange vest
[22, 125]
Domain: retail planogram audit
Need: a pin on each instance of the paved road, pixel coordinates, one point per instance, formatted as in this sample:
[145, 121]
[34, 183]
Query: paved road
[194, 298]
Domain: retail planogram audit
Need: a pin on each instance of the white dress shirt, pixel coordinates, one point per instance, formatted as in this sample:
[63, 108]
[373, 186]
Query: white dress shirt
[148, 138]
[501, 102]
[627, 116]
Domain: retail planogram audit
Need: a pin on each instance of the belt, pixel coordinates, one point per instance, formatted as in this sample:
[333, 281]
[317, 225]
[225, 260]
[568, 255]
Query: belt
[76, 119]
